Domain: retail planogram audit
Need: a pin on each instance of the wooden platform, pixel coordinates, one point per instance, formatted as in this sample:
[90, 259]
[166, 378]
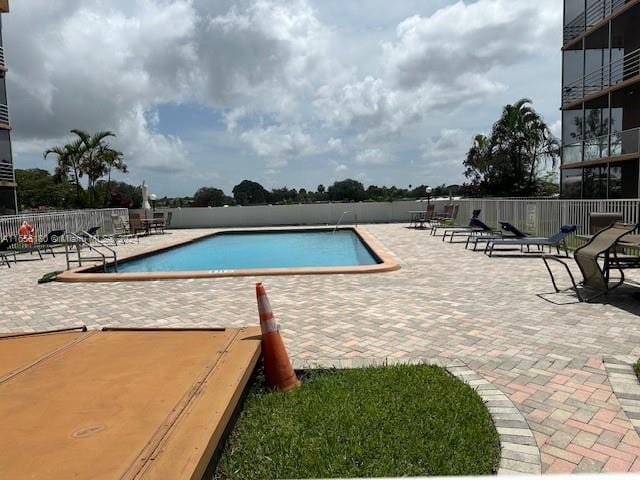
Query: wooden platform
[119, 404]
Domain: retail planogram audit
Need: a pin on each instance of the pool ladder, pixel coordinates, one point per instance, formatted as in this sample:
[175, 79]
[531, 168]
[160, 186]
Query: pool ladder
[342, 216]
[84, 241]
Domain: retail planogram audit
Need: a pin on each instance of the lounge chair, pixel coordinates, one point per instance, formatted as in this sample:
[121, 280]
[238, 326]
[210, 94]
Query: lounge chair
[55, 238]
[554, 241]
[599, 220]
[595, 276]
[7, 248]
[476, 228]
[435, 227]
[511, 232]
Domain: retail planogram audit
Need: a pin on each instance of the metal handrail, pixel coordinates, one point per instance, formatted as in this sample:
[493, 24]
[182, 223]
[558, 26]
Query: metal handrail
[342, 216]
[606, 76]
[590, 17]
[79, 241]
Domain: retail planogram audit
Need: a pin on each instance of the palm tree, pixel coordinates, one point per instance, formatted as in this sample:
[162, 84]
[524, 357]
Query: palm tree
[112, 159]
[69, 160]
[92, 163]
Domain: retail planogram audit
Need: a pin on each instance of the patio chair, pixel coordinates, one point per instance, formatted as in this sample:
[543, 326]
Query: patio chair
[120, 230]
[160, 222]
[167, 222]
[55, 238]
[595, 276]
[436, 227]
[554, 241]
[599, 221]
[511, 232]
[476, 228]
[136, 224]
[7, 247]
[4, 252]
[426, 216]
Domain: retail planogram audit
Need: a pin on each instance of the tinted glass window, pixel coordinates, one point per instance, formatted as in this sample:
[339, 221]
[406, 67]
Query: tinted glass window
[572, 183]
[594, 183]
[623, 180]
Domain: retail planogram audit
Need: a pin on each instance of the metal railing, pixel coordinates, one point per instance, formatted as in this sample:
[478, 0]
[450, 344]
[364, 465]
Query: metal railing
[594, 14]
[544, 217]
[2, 62]
[4, 114]
[69, 221]
[617, 144]
[606, 76]
[6, 173]
[97, 248]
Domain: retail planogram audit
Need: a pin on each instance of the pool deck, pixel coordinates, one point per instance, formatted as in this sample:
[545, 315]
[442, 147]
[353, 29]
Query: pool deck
[558, 364]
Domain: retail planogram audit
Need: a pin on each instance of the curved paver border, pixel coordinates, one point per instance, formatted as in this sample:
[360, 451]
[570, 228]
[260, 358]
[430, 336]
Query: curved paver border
[625, 385]
[519, 450]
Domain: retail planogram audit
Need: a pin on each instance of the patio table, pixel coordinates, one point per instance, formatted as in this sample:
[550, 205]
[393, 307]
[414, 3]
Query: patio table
[414, 216]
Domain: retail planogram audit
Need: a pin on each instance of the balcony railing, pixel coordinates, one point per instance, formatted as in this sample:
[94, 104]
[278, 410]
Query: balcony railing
[614, 145]
[607, 76]
[6, 172]
[4, 114]
[3, 65]
[590, 17]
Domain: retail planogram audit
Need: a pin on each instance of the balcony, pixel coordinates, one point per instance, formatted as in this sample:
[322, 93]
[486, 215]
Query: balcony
[593, 15]
[4, 117]
[6, 173]
[610, 75]
[618, 144]
[3, 66]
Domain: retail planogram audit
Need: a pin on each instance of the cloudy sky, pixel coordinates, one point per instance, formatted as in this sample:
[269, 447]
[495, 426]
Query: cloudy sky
[286, 92]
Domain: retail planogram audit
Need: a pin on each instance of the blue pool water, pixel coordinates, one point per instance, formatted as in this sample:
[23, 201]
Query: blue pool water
[235, 251]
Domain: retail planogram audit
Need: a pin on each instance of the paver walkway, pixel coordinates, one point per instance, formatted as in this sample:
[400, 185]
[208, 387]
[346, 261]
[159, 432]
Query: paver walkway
[445, 303]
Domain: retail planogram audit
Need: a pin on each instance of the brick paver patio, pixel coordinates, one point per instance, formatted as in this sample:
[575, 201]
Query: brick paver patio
[444, 304]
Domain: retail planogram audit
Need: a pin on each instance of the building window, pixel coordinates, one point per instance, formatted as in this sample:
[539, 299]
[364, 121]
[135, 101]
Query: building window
[623, 179]
[572, 183]
[594, 182]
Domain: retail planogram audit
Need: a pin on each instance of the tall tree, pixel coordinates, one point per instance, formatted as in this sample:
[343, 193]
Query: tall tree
[69, 164]
[113, 161]
[508, 161]
[93, 163]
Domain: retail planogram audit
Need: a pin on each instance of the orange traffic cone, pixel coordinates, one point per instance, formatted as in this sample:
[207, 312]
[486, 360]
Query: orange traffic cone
[277, 366]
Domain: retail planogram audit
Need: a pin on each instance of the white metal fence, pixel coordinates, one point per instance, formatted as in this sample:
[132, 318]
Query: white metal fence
[545, 216]
[534, 215]
[70, 221]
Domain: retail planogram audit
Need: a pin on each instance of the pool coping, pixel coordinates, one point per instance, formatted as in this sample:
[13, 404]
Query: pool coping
[84, 273]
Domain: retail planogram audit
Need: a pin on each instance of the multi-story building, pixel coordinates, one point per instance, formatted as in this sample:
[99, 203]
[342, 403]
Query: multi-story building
[8, 203]
[601, 99]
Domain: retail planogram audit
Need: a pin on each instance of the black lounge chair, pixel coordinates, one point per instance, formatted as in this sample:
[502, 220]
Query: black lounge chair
[595, 277]
[511, 232]
[554, 241]
[435, 227]
[7, 248]
[55, 238]
[476, 228]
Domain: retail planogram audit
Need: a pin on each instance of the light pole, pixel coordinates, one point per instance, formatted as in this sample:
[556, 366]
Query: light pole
[153, 198]
[429, 190]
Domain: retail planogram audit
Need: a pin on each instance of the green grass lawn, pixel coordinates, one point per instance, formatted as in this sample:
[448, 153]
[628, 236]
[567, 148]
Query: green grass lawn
[370, 422]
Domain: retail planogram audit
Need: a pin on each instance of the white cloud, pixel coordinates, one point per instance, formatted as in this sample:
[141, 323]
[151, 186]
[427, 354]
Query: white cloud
[279, 141]
[373, 156]
[276, 77]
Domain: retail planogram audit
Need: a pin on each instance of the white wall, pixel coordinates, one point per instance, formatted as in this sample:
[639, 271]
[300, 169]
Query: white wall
[308, 214]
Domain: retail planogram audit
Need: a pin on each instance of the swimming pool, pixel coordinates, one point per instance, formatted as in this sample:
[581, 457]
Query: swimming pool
[249, 250]
[249, 253]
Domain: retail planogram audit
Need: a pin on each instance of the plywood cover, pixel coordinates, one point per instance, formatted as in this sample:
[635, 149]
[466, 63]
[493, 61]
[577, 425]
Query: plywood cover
[119, 404]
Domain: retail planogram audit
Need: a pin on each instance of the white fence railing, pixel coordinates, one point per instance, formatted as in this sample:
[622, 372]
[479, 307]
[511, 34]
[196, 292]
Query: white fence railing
[70, 221]
[545, 216]
[534, 215]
